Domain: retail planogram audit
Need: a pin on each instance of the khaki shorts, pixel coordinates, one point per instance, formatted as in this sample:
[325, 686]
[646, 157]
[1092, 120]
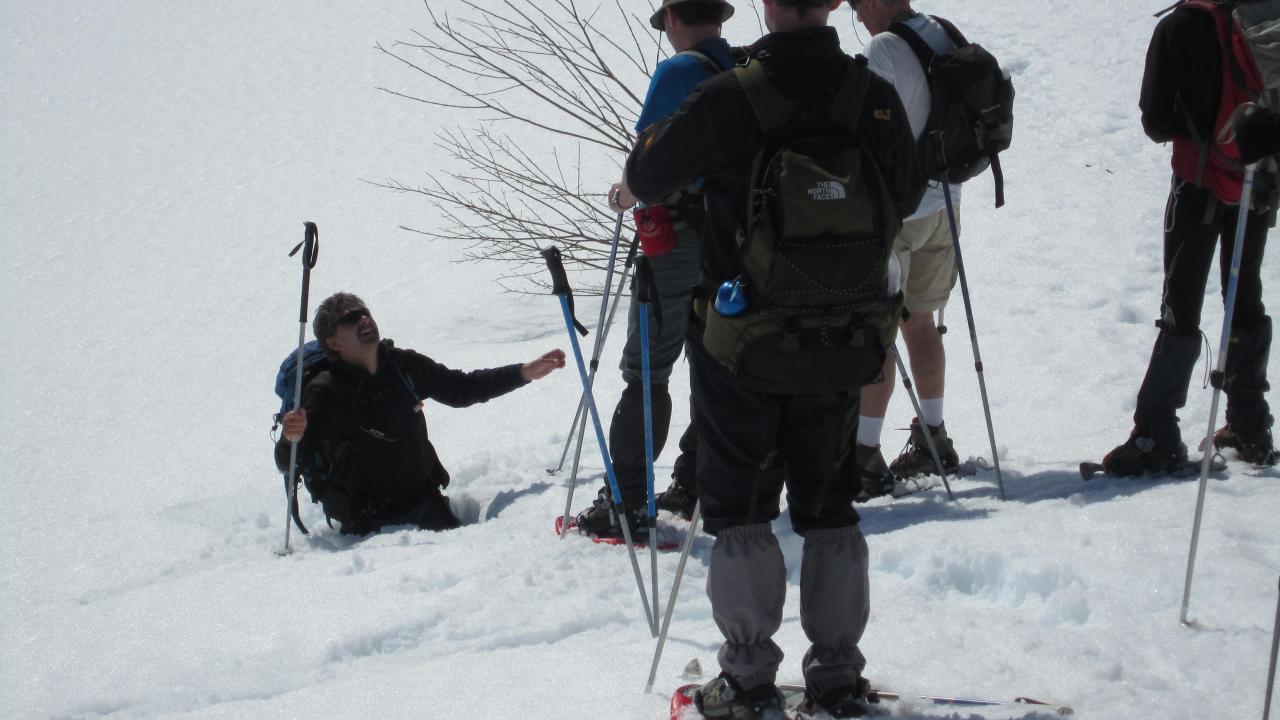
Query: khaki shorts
[928, 259]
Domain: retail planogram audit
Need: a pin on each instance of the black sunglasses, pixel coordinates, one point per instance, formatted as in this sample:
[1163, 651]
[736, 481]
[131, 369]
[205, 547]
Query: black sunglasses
[353, 317]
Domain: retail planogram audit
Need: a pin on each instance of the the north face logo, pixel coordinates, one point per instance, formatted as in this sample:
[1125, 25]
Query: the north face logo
[827, 190]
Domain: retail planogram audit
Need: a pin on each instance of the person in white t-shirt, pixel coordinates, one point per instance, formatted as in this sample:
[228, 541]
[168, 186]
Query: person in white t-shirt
[924, 250]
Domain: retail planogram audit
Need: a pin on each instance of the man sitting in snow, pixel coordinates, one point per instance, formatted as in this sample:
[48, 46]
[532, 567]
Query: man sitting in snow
[363, 416]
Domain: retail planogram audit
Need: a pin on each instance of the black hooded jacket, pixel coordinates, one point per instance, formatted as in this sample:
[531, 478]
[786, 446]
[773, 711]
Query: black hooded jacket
[715, 135]
[1183, 77]
[371, 430]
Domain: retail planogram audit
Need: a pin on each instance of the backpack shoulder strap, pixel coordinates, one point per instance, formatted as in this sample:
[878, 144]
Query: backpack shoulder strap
[953, 32]
[773, 109]
[924, 53]
[708, 63]
[846, 106]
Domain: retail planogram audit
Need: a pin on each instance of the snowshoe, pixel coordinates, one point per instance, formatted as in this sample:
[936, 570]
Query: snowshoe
[1144, 454]
[1256, 448]
[916, 458]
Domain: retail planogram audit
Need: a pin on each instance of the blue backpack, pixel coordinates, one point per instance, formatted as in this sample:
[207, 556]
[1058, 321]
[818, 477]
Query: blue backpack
[314, 361]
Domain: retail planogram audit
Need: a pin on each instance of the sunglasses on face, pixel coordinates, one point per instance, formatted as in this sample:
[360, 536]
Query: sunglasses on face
[354, 316]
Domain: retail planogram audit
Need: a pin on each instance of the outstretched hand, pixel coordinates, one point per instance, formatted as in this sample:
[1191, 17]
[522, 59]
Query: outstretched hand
[543, 366]
[295, 424]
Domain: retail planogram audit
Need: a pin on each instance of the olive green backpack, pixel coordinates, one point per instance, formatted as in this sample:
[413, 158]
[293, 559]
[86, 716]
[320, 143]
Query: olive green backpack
[814, 252]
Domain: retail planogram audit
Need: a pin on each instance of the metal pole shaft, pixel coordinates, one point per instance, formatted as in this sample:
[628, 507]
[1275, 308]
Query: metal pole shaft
[648, 450]
[591, 381]
[599, 343]
[608, 465]
[675, 591]
[928, 437]
[973, 333]
[1224, 344]
[1271, 672]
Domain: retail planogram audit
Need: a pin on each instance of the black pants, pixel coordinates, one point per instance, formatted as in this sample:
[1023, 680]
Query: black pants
[751, 445]
[431, 512]
[1195, 226]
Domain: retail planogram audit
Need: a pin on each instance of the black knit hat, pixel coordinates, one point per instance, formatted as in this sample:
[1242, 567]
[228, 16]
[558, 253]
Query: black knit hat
[656, 21]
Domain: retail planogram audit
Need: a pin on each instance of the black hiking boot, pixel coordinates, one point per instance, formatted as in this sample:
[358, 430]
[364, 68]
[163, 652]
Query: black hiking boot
[1143, 454]
[874, 472]
[601, 519]
[722, 699]
[849, 702]
[1251, 447]
[917, 460]
[677, 500]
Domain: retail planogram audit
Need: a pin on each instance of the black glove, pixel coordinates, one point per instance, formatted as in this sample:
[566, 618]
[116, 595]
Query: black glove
[1258, 135]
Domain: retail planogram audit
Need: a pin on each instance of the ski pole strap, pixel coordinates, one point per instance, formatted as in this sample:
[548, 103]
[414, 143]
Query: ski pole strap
[560, 284]
[646, 288]
[310, 247]
[293, 502]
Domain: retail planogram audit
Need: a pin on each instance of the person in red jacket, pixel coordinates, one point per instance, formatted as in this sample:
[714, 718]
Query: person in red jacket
[1183, 102]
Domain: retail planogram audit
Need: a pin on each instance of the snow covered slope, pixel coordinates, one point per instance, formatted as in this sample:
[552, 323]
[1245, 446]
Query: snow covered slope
[158, 161]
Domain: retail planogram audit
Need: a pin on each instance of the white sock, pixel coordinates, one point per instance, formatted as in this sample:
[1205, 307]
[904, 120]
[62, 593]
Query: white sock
[869, 430]
[931, 411]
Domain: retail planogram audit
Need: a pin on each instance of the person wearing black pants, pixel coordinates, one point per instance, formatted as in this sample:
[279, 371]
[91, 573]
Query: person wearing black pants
[1182, 93]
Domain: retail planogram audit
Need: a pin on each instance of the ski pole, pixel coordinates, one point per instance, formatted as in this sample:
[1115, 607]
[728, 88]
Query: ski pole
[310, 247]
[595, 356]
[1271, 673]
[560, 288]
[928, 436]
[675, 590]
[942, 322]
[973, 331]
[1216, 379]
[644, 294]
[601, 335]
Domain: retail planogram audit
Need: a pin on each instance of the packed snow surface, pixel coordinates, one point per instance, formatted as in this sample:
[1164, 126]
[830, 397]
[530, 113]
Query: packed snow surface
[159, 159]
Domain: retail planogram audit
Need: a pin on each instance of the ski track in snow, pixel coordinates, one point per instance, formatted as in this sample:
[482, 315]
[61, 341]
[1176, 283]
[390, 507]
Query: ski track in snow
[160, 159]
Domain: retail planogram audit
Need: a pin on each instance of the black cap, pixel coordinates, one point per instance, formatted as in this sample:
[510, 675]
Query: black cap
[656, 20]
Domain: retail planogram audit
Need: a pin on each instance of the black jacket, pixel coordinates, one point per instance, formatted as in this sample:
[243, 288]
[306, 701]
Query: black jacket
[715, 135]
[1183, 77]
[370, 429]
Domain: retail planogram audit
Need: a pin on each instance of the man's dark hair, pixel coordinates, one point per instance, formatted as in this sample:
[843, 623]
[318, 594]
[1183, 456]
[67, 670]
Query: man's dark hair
[699, 12]
[802, 5]
[325, 322]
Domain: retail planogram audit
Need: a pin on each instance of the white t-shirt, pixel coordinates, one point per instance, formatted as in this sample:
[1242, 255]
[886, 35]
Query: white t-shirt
[890, 57]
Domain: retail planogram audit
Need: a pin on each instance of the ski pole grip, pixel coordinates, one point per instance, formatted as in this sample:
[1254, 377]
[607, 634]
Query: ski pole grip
[559, 280]
[310, 247]
[560, 284]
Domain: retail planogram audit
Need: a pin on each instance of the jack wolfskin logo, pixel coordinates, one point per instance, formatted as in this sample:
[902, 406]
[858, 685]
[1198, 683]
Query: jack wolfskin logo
[827, 190]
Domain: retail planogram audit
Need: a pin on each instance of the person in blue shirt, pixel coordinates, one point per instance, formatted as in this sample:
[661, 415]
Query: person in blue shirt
[669, 236]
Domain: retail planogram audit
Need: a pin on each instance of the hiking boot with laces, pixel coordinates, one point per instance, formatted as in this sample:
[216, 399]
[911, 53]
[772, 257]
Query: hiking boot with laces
[873, 471]
[1143, 454]
[722, 699]
[1256, 447]
[601, 519]
[677, 500]
[849, 702]
[917, 460]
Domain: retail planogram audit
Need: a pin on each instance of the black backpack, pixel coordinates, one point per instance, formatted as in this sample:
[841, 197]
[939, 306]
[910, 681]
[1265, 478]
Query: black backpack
[814, 250]
[971, 118]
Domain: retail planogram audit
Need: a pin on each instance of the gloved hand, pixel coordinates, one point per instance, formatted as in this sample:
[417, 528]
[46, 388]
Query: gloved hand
[1257, 133]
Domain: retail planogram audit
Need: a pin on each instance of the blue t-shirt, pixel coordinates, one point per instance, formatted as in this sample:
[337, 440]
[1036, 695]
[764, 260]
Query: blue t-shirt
[674, 78]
